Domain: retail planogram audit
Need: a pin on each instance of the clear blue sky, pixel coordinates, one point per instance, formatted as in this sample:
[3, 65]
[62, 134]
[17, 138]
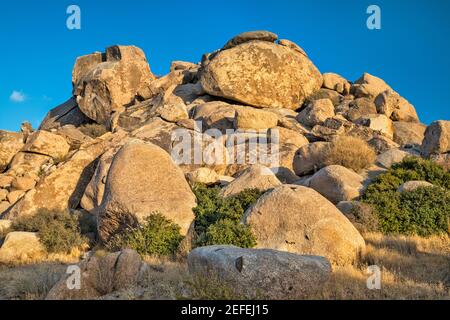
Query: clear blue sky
[411, 51]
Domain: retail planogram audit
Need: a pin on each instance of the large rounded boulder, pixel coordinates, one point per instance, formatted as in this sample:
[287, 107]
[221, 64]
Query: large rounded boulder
[276, 274]
[143, 180]
[261, 74]
[300, 220]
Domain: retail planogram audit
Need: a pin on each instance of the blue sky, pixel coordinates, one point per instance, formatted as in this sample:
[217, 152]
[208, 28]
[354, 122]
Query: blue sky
[411, 51]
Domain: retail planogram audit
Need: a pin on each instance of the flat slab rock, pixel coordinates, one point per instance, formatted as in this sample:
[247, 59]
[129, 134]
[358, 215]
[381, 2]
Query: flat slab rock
[252, 272]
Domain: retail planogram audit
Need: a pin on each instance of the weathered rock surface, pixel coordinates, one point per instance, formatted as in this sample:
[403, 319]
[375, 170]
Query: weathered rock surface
[131, 193]
[408, 133]
[63, 188]
[390, 157]
[276, 274]
[299, 220]
[369, 86]
[437, 138]
[23, 183]
[48, 144]
[10, 144]
[337, 183]
[395, 107]
[310, 158]
[203, 176]
[378, 122]
[255, 177]
[261, 74]
[316, 113]
[5, 225]
[254, 119]
[64, 114]
[250, 36]
[111, 85]
[336, 82]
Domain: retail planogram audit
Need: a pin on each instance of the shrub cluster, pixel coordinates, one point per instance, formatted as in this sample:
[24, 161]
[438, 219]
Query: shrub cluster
[217, 219]
[424, 211]
[350, 152]
[157, 236]
[59, 232]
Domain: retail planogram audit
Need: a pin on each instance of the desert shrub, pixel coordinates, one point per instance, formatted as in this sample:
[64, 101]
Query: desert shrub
[158, 236]
[59, 232]
[30, 282]
[217, 219]
[350, 152]
[93, 130]
[424, 211]
[227, 232]
[363, 217]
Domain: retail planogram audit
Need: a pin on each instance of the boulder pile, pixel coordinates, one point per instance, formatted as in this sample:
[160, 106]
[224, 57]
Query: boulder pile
[109, 150]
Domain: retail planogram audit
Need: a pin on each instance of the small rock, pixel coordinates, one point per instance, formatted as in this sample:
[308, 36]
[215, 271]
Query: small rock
[390, 157]
[48, 144]
[413, 185]
[6, 181]
[250, 36]
[204, 176]
[337, 183]
[378, 122]
[254, 177]
[14, 196]
[409, 133]
[23, 183]
[437, 138]
[336, 82]
[4, 224]
[310, 158]
[3, 194]
[248, 118]
[316, 113]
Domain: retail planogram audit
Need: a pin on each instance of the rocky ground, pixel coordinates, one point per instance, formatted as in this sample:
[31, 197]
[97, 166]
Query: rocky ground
[107, 155]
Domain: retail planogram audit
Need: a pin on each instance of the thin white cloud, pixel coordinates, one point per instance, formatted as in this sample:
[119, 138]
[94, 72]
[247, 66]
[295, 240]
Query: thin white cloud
[17, 96]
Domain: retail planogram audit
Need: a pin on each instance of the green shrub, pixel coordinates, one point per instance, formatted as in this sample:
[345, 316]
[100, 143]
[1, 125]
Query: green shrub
[59, 232]
[411, 168]
[424, 211]
[217, 219]
[227, 232]
[158, 236]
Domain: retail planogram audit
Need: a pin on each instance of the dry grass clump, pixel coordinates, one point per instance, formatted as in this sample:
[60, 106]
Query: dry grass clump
[412, 267]
[31, 282]
[350, 152]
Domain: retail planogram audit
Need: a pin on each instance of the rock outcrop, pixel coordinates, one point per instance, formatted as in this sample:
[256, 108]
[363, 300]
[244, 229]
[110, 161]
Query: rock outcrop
[261, 74]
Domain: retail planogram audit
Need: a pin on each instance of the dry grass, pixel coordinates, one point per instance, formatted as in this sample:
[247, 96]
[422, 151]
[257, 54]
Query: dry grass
[31, 282]
[412, 268]
[350, 152]
[41, 256]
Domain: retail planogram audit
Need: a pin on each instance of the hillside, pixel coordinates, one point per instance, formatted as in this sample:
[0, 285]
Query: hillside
[250, 174]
